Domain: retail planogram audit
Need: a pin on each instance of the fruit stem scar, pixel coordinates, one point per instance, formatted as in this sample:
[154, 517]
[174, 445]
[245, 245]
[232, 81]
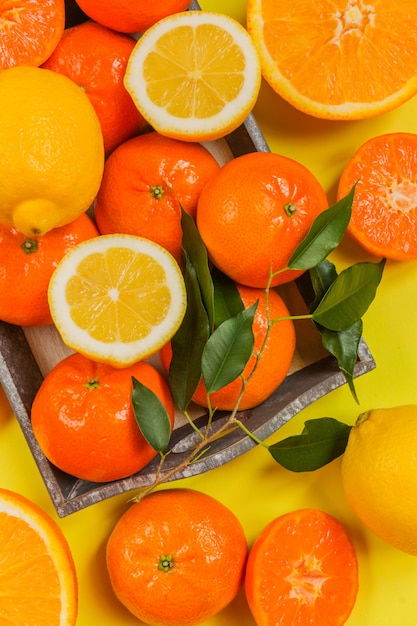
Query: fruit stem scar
[290, 209]
[157, 191]
[92, 384]
[29, 246]
[165, 563]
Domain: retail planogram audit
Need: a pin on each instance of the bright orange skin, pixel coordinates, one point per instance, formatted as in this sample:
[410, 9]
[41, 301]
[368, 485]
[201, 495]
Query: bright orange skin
[273, 365]
[26, 266]
[130, 17]
[302, 569]
[384, 211]
[208, 548]
[83, 418]
[32, 37]
[95, 58]
[254, 213]
[146, 181]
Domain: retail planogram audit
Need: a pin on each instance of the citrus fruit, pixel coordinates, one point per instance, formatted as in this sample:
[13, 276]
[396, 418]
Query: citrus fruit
[29, 31]
[27, 264]
[254, 212]
[130, 17]
[192, 553]
[302, 569]
[272, 365]
[145, 183]
[95, 57]
[384, 208]
[117, 298]
[83, 418]
[329, 59]
[37, 572]
[378, 473]
[199, 95]
[51, 150]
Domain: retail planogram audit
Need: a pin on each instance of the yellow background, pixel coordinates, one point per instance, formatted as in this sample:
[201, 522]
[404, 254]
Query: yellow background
[253, 486]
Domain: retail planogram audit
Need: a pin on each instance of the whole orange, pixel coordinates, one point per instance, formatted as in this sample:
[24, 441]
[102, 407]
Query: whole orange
[29, 31]
[254, 212]
[177, 557]
[273, 364]
[83, 418]
[26, 266]
[146, 181]
[130, 17]
[95, 57]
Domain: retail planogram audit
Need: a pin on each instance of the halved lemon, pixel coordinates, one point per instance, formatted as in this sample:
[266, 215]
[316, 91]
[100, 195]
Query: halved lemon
[37, 573]
[194, 75]
[117, 298]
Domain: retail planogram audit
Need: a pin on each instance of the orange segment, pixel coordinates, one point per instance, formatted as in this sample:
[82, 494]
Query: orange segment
[37, 574]
[302, 569]
[343, 59]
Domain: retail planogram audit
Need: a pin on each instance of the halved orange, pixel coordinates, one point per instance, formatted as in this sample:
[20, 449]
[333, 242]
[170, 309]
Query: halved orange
[337, 59]
[38, 583]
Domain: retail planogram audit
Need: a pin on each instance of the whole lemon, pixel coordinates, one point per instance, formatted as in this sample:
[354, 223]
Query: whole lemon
[379, 474]
[51, 150]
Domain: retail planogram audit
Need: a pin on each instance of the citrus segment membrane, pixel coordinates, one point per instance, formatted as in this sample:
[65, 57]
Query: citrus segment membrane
[117, 299]
[194, 75]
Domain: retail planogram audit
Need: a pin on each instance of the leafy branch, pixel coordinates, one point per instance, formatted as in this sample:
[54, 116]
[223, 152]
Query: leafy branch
[215, 341]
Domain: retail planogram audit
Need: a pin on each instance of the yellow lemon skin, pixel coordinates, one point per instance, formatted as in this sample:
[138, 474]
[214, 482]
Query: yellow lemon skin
[379, 474]
[51, 150]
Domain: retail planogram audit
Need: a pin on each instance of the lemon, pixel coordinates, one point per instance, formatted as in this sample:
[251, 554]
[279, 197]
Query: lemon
[194, 75]
[379, 474]
[117, 298]
[51, 150]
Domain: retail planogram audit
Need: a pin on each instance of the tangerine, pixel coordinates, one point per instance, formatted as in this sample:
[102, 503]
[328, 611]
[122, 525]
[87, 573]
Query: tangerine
[95, 57]
[84, 422]
[302, 569]
[177, 557]
[384, 208]
[253, 214]
[146, 181]
[27, 264]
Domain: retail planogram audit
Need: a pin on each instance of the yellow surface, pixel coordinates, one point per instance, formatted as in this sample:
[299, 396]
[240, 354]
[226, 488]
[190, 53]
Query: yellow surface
[253, 486]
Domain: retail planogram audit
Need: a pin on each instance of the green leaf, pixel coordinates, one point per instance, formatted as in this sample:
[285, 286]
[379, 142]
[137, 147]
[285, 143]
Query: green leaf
[349, 296]
[151, 416]
[321, 276]
[324, 236]
[321, 441]
[188, 342]
[344, 344]
[196, 251]
[227, 300]
[228, 350]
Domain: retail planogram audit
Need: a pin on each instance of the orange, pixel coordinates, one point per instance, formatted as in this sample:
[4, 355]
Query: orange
[177, 557]
[253, 214]
[273, 364]
[130, 17]
[145, 183]
[26, 266]
[83, 418]
[38, 580]
[200, 95]
[384, 209]
[95, 57]
[302, 569]
[29, 31]
[328, 58]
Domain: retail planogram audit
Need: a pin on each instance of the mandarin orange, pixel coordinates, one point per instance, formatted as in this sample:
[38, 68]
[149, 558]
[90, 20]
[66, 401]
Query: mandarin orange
[84, 422]
[177, 557]
[146, 181]
[302, 569]
[95, 57]
[254, 212]
[27, 264]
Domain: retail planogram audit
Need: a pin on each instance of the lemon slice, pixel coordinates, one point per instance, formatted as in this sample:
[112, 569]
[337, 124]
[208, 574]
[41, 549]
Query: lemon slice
[117, 298]
[194, 75]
